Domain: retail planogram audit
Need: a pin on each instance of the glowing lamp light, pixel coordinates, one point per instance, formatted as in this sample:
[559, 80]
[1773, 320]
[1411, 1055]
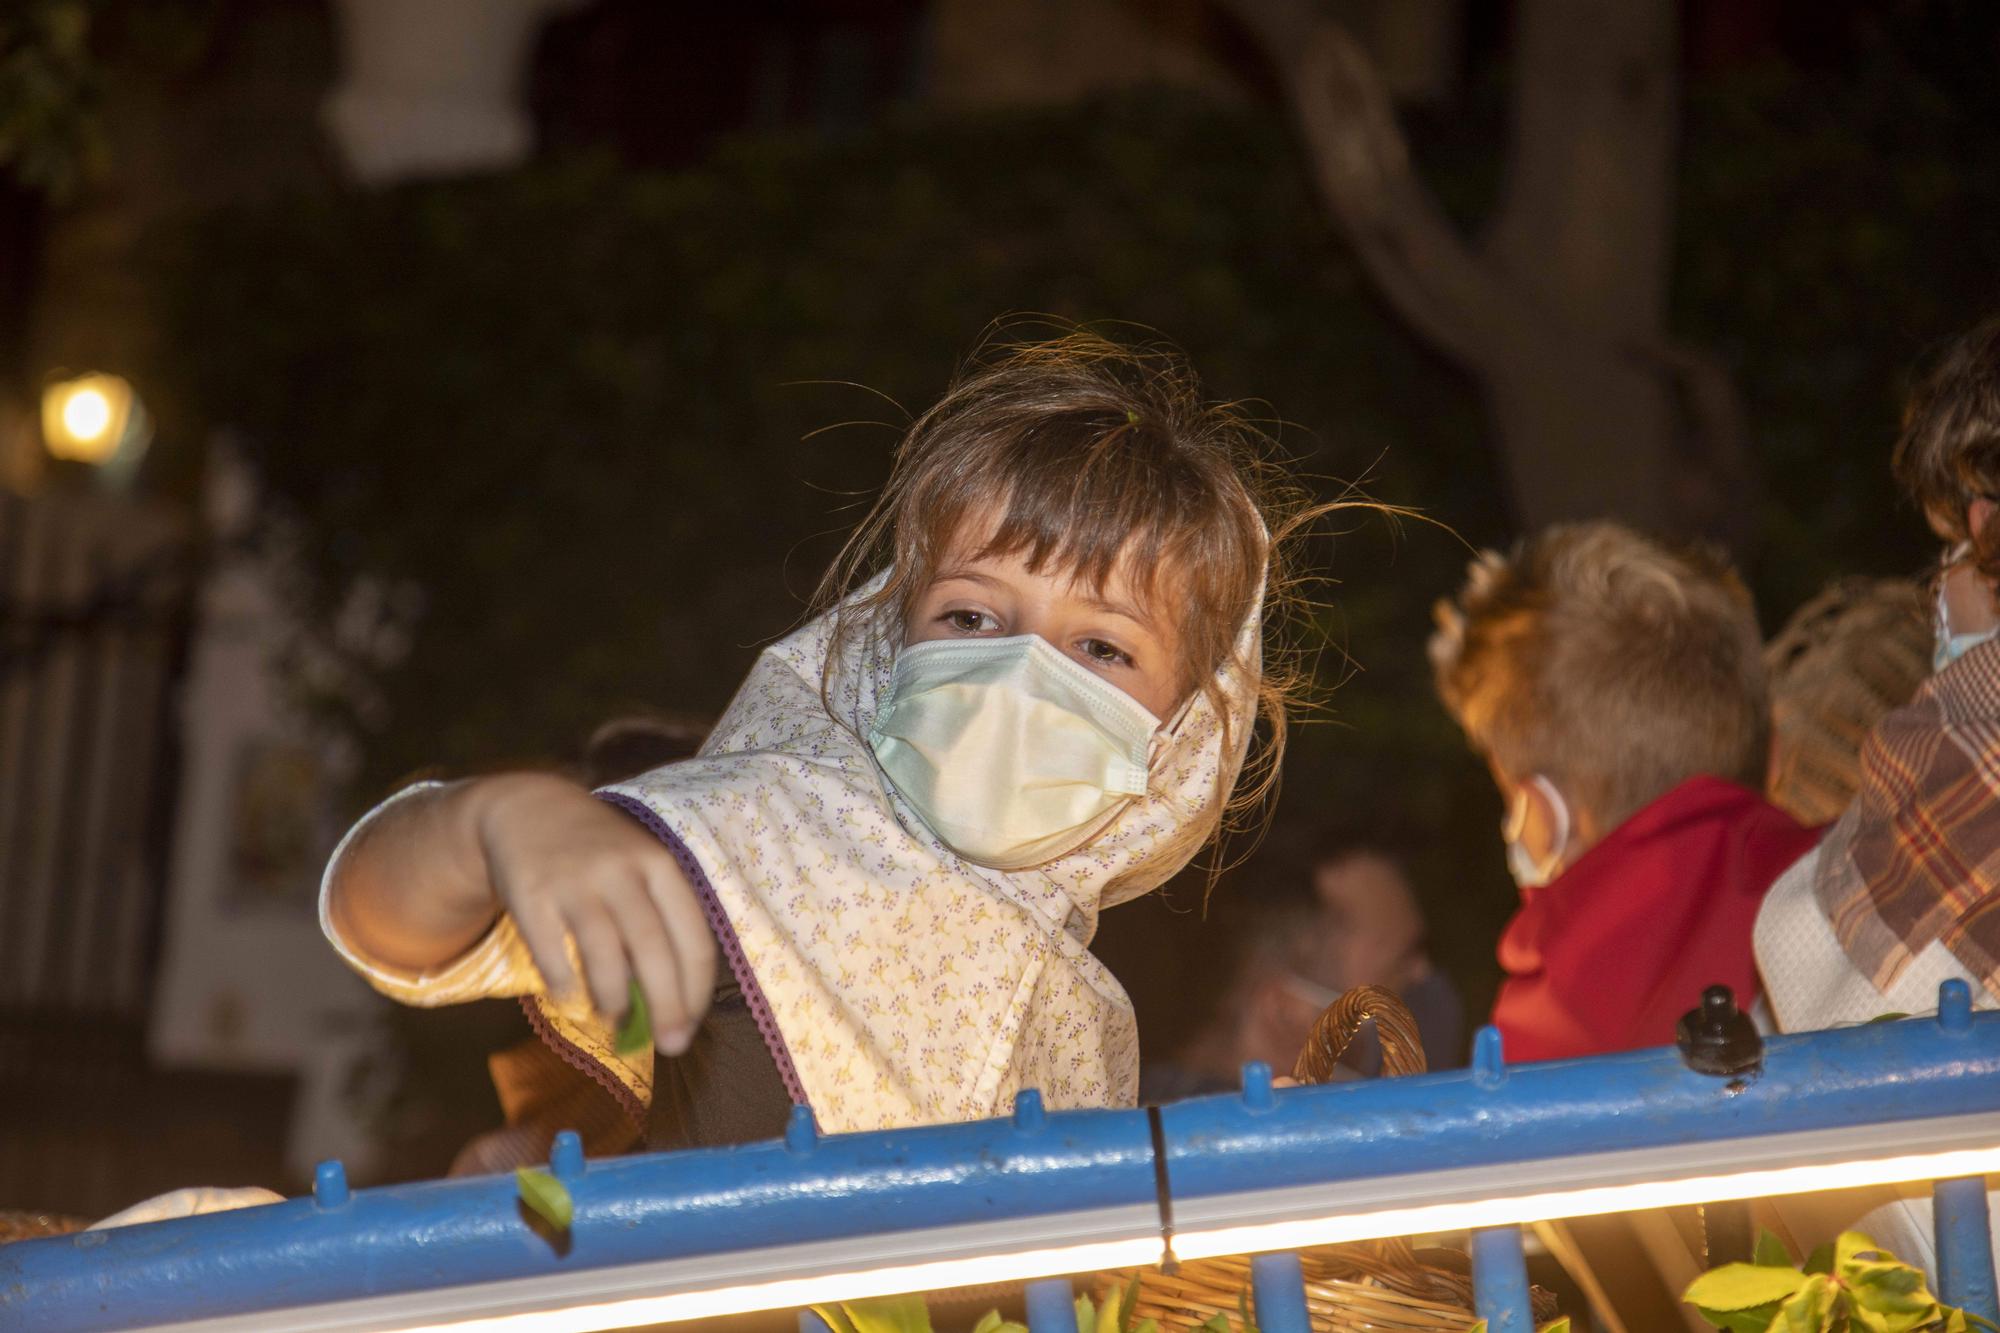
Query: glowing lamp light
[92, 419]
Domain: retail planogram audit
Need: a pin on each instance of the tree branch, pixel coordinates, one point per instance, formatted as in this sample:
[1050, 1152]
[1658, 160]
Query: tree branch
[1361, 166]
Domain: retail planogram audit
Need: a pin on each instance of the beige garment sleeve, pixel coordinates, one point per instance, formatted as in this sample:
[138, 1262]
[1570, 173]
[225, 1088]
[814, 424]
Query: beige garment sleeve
[497, 967]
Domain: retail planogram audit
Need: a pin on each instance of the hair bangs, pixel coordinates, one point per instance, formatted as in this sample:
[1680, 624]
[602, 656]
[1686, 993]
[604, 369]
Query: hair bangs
[1099, 503]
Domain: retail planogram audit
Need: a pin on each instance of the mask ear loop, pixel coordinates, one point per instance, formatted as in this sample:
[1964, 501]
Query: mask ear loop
[1561, 843]
[1516, 822]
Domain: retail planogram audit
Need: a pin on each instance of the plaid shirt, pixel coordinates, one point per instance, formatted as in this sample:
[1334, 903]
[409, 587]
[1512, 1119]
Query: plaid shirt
[1916, 857]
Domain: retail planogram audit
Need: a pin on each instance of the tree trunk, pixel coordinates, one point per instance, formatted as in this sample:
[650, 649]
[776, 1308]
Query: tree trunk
[1560, 315]
[1584, 432]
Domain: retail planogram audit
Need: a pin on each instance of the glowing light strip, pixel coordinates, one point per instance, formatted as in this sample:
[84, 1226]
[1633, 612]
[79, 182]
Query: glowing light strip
[1582, 1203]
[1583, 1186]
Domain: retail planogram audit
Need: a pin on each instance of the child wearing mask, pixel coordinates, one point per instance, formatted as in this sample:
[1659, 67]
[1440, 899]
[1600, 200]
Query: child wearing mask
[1029, 693]
[1616, 690]
[1904, 893]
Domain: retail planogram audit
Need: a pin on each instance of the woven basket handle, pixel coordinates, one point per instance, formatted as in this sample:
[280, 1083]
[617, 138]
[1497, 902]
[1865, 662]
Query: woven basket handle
[1402, 1046]
[1392, 1258]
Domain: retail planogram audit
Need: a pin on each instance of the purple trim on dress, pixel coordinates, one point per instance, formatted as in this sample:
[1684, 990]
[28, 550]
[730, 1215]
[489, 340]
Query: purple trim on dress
[577, 1058]
[725, 935]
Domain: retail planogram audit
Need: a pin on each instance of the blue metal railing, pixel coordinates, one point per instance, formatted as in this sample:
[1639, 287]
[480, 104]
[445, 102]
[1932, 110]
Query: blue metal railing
[1042, 1194]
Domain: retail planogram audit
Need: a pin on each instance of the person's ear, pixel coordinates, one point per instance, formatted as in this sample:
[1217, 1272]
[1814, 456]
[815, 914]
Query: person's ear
[1977, 515]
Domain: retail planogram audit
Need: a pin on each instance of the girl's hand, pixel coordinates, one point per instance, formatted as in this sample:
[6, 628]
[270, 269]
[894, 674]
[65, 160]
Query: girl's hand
[567, 866]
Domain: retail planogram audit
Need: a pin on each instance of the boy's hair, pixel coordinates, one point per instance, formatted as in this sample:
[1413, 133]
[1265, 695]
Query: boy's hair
[1097, 457]
[1608, 663]
[1949, 452]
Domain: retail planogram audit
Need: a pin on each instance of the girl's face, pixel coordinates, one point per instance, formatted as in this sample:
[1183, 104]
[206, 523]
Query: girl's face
[1112, 632]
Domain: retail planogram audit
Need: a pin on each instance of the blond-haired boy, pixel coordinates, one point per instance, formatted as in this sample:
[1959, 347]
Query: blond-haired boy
[1615, 687]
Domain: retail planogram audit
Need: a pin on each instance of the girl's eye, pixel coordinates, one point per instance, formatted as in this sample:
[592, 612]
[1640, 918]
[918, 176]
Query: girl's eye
[965, 622]
[1110, 654]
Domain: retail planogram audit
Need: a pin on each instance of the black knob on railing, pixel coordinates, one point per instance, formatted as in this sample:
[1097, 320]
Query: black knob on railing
[1718, 1038]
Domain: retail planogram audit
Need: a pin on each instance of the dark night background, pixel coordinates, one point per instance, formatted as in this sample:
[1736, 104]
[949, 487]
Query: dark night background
[587, 428]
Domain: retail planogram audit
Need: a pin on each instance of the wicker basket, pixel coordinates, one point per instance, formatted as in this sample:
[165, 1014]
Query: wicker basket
[1381, 1286]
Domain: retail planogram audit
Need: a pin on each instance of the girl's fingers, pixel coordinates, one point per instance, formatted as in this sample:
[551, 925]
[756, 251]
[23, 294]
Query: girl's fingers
[602, 949]
[652, 956]
[542, 929]
[693, 939]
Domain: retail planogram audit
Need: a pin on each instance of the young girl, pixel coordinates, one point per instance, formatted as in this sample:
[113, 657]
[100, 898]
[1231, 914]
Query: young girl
[1029, 695]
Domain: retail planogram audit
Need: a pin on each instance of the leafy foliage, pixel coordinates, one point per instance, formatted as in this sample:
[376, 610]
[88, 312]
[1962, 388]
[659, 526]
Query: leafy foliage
[51, 137]
[1833, 227]
[1116, 1312]
[1859, 1287]
[891, 1314]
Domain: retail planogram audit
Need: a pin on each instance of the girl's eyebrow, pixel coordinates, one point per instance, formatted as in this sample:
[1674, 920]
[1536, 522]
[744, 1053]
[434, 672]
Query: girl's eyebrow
[988, 581]
[1131, 613]
[971, 576]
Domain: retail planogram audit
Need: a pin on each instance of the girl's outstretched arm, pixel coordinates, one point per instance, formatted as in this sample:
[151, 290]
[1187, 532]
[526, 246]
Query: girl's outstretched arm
[431, 873]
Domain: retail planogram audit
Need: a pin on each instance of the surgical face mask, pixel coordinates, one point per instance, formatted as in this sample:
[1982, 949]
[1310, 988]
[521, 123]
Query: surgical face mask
[1949, 646]
[1527, 872]
[1012, 753]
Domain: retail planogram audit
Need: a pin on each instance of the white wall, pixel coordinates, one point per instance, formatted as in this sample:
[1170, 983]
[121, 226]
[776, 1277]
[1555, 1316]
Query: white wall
[246, 982]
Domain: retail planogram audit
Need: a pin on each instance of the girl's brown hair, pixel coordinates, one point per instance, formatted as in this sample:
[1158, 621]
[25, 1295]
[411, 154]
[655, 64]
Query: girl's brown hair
[1088, 456]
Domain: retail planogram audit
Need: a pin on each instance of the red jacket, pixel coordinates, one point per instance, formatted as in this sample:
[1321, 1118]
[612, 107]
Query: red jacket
[1609, 954]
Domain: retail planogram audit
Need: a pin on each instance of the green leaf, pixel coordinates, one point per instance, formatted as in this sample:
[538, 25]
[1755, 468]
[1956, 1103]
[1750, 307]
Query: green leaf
[1147, 1325]
[1892, 1016]
[1771, 1252]
[1740, 1286]
[1979, 1320]
[1556, 1325]
[997, 1324]
[1756, 1319]
[545, 1195]
[1891, 1298]
[1887, 1281]
[1821, 1259]
[836, 1318]
[635, 1033]
[1243, 1309]
[1217, 1323]
[1086, 1315]
[1127, 1304]
[889, 1314]
[1810, 1310]
[1849, 1249]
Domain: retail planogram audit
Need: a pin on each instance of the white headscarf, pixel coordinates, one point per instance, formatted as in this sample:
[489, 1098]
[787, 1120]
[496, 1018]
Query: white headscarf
[900, 983]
